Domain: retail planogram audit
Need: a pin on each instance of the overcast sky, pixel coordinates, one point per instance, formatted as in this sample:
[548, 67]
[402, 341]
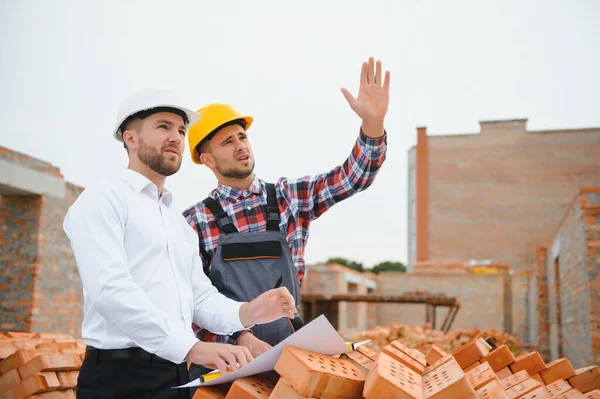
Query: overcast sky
[66, 65]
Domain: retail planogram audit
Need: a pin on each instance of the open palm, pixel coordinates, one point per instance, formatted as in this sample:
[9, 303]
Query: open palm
[371, 104]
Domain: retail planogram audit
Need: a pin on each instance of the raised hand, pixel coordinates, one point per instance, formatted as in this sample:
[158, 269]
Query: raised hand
[371, 104]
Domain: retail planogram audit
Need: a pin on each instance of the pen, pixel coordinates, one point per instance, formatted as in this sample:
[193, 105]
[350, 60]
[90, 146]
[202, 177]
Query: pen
[211, 376]
[296, 322]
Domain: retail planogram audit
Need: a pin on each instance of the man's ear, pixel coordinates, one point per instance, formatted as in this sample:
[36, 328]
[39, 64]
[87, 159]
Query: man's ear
[130, 138]
[207, 159]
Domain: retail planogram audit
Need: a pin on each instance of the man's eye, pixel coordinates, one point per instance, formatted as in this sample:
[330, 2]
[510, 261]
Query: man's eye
[182, 132]
[162, 126]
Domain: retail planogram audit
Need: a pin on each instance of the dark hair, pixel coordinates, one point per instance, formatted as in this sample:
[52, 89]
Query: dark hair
[201, 145]
[151, 111]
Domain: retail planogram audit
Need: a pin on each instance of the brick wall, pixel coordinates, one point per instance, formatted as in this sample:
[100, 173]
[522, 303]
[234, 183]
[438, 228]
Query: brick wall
[40, 288]
[590, 209]
[504, 191]
[521, 303]
[543, 329]
[19, 225]
[58, 296]
[569, 291]
[25, 160]
[481, 298]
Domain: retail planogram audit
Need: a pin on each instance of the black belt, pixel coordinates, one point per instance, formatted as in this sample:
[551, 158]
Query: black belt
[122, 354]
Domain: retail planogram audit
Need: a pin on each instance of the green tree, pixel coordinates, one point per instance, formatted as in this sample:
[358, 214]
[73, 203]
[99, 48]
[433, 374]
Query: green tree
[348, 263]
[389, 266]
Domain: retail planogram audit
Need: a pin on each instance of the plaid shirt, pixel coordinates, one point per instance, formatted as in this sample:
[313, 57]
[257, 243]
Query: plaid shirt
[300, 202]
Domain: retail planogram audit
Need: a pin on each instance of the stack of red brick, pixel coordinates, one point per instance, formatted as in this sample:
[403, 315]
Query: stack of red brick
[471, 372]
[46, 366]
[39, 365]
[422, 338]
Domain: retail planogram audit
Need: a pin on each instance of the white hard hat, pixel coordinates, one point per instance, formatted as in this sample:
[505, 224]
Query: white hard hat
[149, 98]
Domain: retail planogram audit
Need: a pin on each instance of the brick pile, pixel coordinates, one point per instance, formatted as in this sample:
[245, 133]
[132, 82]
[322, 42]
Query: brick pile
[422, 338]
[473, 371]
[39, 365]
[47, 365]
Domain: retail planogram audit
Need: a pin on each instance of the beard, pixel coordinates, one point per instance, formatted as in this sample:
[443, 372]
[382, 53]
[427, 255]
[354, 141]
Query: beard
[236, 173]
[156, 160]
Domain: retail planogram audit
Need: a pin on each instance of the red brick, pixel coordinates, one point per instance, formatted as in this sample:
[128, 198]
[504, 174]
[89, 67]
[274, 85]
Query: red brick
[504, 373]
[590, 211]
[282, 390]
[368, 352]
[447, 381]
[390, 378]
[67, 379]
[586, 379]
[27, 344]
[471, 352]
[53, 336]
[471, 367]
[76, 351]
[9, 380]
[403, 358]
[41, 382]
[46, 347]
[572, 394]
[481, 375]
[212, 392]
[515, 379]
[531, 362]
[67, 394]
[538, 378]
[539, 393]
[50, 362]
[359, 360]
[434, 354]
[312, 374]
[440, 362]
[556, 370]
[499, 358]
[493, 390]
[21, 335]
[522, 388]
[6, 352]
[254, 387]
[16, 360]
[412, 353]
[558, 387]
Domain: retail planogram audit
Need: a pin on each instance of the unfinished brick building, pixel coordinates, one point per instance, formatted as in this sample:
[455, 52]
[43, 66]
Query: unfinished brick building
[498, 194]
[40, 289]
[527, 199]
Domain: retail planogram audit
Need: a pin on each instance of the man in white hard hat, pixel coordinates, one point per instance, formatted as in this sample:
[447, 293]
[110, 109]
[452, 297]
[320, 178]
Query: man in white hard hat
[142, 277]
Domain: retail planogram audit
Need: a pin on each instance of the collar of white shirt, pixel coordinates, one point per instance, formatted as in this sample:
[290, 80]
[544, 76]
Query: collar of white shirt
[138, 182]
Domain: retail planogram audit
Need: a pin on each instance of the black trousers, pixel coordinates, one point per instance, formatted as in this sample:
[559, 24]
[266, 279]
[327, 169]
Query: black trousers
[130, 373]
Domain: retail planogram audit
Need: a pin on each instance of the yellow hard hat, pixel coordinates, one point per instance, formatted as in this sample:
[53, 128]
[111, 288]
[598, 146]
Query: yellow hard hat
[212, 116]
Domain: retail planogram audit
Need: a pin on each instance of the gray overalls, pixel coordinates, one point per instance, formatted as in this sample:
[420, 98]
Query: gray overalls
[246, 265]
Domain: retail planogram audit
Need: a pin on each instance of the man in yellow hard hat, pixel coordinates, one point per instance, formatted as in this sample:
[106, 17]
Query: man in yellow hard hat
[251, 233]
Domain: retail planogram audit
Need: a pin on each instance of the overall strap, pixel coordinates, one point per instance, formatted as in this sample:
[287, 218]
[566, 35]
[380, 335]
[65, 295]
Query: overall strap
[223, 220]
[273, 217]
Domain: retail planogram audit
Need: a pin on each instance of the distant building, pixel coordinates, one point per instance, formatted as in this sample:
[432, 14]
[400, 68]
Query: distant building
[495, 195]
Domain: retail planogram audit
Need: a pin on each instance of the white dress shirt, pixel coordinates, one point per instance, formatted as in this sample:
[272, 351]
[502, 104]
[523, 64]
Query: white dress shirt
[143, 282]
